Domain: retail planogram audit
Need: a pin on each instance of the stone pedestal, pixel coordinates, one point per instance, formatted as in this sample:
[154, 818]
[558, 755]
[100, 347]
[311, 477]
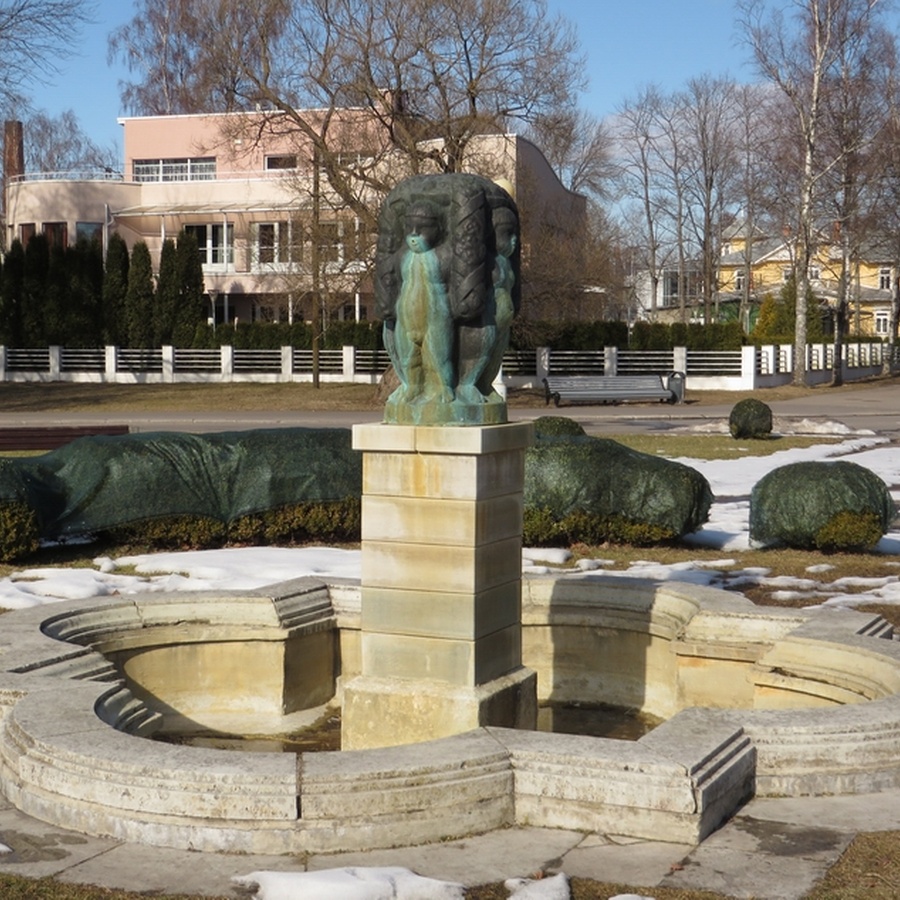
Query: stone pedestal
[441, 585]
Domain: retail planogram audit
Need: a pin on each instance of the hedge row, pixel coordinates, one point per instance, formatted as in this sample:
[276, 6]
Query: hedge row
[526, 335]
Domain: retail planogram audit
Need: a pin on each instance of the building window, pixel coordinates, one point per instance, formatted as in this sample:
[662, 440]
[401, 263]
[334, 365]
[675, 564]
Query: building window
[57, 233]
[349, 313]
[331, 244]
[882, 321]
[215, 243]
[278, 244]
[739, 280]
[26, 232]
[884, 278]
[341, 244]
[787, 274]
[280, 163]
[184, 169]
[88, 231]
[267, 243]
[815, 273]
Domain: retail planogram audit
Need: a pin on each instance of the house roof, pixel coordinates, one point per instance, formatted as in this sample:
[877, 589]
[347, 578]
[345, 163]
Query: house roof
[762, 249]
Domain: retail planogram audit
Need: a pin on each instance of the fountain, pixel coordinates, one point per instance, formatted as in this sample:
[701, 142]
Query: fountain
[776, 701]
[441, 655]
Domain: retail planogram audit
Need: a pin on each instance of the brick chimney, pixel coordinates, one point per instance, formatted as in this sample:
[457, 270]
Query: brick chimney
[13, 154]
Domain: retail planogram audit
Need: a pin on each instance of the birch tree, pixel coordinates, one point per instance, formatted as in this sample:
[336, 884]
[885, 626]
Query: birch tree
[799, 55]
[856, 100]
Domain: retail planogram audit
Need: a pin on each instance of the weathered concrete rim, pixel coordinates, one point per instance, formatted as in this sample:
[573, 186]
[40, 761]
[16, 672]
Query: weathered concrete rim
[72, 751]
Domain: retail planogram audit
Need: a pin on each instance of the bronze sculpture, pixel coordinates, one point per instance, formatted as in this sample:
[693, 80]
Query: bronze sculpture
[447, 288]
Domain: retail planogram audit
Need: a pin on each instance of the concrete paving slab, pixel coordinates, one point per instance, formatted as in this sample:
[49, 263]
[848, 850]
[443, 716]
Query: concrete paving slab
[155, 870]
[856, 812]
[510, 853]
[756, 858]
[644, 863]
[40, 850]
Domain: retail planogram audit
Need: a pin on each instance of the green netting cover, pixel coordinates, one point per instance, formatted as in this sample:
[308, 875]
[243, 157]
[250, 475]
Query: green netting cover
[96, 483]
[790, 504]
[568, 473]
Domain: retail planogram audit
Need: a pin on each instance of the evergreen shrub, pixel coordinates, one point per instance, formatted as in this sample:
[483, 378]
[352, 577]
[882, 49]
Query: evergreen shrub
[820, 505]
[19, 531]
[750, 418]
[325, 522]
[849, 531]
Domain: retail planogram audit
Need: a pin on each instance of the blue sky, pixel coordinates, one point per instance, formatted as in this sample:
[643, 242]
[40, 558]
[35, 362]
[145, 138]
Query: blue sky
[628, 46]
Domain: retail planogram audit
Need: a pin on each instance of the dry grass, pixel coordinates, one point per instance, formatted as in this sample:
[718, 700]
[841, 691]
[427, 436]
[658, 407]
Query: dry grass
[110, 398]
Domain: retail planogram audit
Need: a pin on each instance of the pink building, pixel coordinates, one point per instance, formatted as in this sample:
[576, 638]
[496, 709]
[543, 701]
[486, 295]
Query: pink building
[271, 233]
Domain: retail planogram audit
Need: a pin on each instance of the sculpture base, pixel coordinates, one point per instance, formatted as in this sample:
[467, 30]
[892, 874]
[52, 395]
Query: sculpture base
[490, 411]
[386, 712]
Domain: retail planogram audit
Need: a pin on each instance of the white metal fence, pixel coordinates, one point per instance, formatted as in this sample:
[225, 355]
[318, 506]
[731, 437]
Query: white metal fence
[744, 369]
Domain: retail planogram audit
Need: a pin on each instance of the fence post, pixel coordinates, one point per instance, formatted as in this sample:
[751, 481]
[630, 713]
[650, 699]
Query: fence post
[541, 363]
[168, 363]
[110, 362]
[287, 363]
[748, 367]
[348, 361]
[55, 362]
[2, 362]
[226, 361]
[610, 360]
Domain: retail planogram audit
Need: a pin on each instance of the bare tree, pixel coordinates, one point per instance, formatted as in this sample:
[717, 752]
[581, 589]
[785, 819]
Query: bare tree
[424, 77]
[754, 130]
[366, 91]
[886, 157]
[639, 139]
[579, 148]
[856, 100]
[672, 153]
[710, 112]
[799, 58]
[177, 69]
[34, 36]
[58, 144]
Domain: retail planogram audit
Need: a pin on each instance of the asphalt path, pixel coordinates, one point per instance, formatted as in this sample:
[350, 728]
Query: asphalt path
[874, 408]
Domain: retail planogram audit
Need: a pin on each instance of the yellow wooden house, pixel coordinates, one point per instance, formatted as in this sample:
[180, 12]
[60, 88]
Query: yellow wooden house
[748, 273]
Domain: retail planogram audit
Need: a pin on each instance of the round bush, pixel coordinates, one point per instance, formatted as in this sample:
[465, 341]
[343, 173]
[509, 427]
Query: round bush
[820, 506]
[750, 418]
[557, 426]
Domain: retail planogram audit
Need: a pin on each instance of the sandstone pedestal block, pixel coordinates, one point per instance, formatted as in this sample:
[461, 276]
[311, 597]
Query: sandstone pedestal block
[441, 636]
[384, 712]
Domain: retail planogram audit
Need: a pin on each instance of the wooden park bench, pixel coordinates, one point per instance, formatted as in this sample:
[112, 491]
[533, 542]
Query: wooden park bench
[614, 388]
[49, 437]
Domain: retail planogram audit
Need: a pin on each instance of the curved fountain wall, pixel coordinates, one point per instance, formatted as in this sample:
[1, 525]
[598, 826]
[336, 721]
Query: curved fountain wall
[773, 700]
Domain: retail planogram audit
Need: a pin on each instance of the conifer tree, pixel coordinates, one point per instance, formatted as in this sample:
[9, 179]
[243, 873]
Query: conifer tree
[11, 288]
[115, 289]
[166, 299]
[190, 307]
[34, 291]
[82, 294]
[139, 298]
